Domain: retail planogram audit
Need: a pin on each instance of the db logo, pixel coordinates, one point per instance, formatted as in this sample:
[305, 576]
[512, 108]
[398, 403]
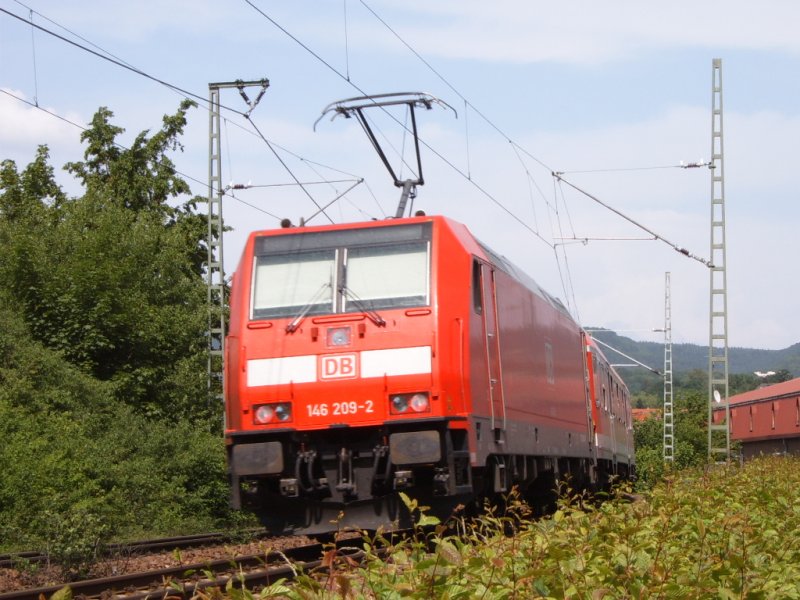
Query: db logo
[338, 366]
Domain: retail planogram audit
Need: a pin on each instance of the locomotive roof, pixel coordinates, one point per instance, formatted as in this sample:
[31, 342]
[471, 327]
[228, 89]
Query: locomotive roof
[498, 260]
[503, 263]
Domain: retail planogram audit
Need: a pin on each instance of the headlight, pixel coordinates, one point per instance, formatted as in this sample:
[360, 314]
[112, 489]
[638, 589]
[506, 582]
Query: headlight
[338, 336]
[283, 412]
[269, 413]
[419, 403]
[405, 403]
[399, 404]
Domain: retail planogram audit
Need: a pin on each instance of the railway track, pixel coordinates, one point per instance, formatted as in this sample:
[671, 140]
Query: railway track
[11, 560]
[252, 571]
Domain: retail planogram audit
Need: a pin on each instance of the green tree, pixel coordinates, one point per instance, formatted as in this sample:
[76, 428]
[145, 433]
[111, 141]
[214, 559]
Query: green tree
[113, 279]
[690, 443]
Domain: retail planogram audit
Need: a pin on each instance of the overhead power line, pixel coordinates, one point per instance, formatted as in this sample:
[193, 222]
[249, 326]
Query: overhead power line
[655, 235]
[116, 62]
[184, 175]
[438, 154]
[111, 58]
[621, 353]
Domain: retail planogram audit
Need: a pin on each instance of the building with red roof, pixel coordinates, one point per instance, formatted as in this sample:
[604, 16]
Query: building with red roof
[767, 420]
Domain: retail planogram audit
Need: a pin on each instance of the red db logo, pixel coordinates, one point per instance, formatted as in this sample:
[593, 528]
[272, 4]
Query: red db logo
[338, 366]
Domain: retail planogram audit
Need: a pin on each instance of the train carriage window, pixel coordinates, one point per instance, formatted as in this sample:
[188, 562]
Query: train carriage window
[549, 363]
[773, 415]
[797, 412]
[286, 283]
[751, 418]
[477, 288]
[388, 276]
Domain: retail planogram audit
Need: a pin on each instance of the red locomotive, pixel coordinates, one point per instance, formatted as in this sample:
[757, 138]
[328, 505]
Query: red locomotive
[403, 355]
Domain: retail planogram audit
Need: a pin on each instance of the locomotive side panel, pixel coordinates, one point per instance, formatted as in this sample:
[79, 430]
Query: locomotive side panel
[528, 387]
[451, 272]
[613, 427]
[543, 377]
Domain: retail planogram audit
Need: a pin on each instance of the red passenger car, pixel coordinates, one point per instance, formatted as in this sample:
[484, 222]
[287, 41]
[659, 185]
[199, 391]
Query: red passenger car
[370, 358]
[767, 420]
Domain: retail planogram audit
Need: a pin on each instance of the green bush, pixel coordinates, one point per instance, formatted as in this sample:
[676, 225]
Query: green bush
[74, 457]
[723, 532]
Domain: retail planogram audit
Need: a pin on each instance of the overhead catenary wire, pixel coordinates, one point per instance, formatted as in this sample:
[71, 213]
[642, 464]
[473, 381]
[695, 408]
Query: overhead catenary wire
[82, 128]
[443, 78]
[288, 170]
[438, 154]
[558, 176]
[466, 175]
[623, 169]
[120, 63]
[314, 165]
[346, 41]
[107, 56]
[621, 353]
[33, 53]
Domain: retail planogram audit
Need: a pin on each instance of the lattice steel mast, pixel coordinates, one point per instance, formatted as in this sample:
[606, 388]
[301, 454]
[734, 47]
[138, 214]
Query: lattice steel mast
[215, 272]
[719, 436]
[669, 438]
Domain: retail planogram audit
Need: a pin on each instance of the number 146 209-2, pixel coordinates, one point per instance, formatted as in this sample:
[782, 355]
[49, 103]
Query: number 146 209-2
[324, 409]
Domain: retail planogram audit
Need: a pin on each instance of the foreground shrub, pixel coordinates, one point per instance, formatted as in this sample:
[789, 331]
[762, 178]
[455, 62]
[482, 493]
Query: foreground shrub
[726, 532]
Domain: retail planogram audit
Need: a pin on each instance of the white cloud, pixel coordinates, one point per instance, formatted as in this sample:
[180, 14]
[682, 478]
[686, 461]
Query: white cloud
[23, 125]
[591, 32]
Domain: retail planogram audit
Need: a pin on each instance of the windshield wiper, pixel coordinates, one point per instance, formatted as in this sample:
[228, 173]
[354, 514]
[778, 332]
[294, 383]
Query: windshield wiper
[371, 313]
[292, 327]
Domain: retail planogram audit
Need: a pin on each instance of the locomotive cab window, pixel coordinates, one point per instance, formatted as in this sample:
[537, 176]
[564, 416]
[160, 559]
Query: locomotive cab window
[366, 277]
[286, 283]
[328, 272]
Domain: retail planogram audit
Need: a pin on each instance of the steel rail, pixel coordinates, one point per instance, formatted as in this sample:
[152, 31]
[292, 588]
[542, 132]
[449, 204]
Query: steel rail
[175, 582]
[12, 559]
[184, 580]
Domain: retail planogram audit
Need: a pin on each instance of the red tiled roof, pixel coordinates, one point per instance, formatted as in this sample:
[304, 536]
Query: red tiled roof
[771, 391]
[642, 414]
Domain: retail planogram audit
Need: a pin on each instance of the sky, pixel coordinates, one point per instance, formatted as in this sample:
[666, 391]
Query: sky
[615, 96]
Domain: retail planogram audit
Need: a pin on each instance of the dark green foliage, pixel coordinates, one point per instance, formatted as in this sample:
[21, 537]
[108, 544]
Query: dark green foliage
[79, 466]
[113, 279]
[105, 420]
[690, 419]
[725, 533]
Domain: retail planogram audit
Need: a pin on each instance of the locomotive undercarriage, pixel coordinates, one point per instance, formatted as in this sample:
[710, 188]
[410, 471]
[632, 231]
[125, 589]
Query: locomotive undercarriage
[349, 475]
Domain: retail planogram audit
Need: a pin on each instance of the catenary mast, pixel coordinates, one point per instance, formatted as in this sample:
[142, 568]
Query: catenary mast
[215, 271]
[669, 437]
[719, 436]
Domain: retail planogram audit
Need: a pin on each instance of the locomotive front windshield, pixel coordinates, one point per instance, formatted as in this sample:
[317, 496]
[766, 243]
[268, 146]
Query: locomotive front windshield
[286, 283]
[341, 271]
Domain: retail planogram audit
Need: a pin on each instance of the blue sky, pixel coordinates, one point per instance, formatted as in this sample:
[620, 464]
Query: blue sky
[616, 88]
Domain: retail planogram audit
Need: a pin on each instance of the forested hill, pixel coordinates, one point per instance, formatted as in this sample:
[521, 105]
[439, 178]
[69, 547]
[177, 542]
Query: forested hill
[686, 357]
